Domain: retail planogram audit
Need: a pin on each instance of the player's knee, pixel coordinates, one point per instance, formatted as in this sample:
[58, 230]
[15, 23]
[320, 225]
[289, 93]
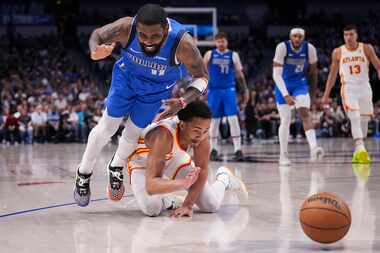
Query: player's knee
[304, 113]
[209, 206]
[151, 209]
[353, 115]
[131, 132]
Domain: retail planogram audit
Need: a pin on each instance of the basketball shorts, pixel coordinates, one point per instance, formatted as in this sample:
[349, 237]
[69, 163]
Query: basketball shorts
[297, 89]
[223, 102]
[123, 100]
[357, 97]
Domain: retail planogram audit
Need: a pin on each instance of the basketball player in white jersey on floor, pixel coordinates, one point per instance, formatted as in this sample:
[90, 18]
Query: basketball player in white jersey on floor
[173, 155]
[224, 66]
[294, 68]
[352, 60]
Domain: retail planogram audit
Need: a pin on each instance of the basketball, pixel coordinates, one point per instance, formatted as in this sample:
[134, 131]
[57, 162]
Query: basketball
[325, 217]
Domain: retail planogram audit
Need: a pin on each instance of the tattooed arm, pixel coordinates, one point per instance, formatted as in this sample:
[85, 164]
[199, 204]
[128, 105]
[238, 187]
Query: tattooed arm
[102, 40]
[188, 54]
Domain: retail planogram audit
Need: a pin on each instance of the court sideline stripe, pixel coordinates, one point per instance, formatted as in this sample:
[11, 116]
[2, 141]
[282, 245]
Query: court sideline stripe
[50, 207]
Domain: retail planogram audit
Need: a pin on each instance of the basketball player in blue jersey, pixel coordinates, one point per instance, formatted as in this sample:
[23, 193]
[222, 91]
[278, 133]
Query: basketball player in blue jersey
[154, 48]
[224, 66]
[294, 66]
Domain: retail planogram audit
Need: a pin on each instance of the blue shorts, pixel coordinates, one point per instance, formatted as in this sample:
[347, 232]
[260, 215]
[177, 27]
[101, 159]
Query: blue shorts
[123, 100]
[295, 89]
[222, 102]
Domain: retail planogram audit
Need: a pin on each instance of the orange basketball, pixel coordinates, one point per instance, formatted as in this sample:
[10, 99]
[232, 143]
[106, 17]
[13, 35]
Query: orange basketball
[325, 217]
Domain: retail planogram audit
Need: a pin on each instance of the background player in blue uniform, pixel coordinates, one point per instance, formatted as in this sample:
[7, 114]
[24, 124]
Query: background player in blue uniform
[294, 61]
[224, 65]
[154, 47]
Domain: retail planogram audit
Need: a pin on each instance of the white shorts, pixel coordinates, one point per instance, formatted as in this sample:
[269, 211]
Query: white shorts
[303, 101]
[357, 98]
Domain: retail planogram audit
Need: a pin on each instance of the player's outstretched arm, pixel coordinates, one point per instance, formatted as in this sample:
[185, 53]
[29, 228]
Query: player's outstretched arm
[371, 55]
[188, 54]
[201, 159]
[102, 40]
[160, 141]
[335, 58]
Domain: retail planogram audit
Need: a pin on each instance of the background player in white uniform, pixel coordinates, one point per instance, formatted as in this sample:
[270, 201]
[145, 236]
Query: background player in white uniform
[224, 67]
[352, 59]
[162, 164]
[293, 59]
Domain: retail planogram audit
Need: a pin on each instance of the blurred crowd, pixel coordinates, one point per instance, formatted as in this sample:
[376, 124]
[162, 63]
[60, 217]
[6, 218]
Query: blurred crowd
[45, 97]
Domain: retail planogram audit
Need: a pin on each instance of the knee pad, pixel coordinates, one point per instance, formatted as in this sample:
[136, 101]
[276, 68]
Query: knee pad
[106, 127]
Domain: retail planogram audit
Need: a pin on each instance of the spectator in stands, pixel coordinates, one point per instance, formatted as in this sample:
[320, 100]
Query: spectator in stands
[25, 126]
[39, 123]
[12, 134]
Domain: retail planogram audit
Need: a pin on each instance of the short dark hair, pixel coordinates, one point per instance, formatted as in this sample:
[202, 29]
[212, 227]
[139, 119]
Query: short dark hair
[221, 35]
[152, 14]
[195, 109]
[350, 27]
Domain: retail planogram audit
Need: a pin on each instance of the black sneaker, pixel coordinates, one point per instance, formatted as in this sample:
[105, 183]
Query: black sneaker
[214, 155]
[82, 192]
[238, 156]
[115, 187]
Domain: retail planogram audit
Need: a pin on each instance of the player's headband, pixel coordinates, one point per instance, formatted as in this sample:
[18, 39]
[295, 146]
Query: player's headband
[297, 30]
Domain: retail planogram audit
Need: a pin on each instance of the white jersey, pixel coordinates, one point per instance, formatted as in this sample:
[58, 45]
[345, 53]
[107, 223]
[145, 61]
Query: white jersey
[176, 160]
[354, 66]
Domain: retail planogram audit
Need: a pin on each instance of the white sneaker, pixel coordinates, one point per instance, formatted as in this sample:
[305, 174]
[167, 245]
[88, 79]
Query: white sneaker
[234, 183]
[316, 153]
[172, 202]
[284, 160]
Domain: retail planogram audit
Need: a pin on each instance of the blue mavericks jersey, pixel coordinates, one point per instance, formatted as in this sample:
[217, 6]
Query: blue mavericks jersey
[221, 70]
[153, 74]
[295, 63]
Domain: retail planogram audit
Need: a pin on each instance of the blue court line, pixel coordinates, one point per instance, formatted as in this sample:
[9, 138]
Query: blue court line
[50, 207]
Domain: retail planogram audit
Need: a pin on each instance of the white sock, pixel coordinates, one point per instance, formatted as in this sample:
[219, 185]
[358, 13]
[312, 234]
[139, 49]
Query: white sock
[117, 161]
[364, 125]
[235, 132]
[127, 143]
[214, 133]
[311, 139]
[360, 147]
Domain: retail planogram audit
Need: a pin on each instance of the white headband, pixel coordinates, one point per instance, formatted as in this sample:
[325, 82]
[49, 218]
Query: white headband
[297, 31]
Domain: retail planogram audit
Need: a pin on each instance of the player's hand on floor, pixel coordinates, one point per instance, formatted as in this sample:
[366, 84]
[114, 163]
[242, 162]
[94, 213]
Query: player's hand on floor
[290, 100]
[183, 211]
[102, 51]
[173, 105]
